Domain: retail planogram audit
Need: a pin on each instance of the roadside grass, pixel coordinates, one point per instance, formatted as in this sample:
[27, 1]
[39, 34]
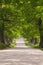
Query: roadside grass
[32, 45]
[13, 44]
[5, 46]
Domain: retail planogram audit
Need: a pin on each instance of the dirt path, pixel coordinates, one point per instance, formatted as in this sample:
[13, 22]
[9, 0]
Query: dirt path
[21, 57]
[20, 42]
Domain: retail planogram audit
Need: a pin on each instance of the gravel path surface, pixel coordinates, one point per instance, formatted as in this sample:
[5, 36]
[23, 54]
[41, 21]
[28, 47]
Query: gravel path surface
[21, 56]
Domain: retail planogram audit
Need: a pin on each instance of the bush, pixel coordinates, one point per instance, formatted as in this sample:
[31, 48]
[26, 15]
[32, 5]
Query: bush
[13, 44]
[2, 46]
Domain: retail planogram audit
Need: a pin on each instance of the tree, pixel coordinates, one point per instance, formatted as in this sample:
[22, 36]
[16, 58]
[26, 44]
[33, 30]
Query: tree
[19, 17]
[41, 32]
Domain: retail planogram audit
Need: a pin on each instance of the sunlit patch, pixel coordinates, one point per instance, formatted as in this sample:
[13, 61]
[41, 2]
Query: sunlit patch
[28, 1]
[3, 5]
[21, 2]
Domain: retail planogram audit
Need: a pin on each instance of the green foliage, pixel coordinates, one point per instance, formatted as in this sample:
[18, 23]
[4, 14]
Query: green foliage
[3, 46]
[20, 17]
[13, 44]
[30, 44]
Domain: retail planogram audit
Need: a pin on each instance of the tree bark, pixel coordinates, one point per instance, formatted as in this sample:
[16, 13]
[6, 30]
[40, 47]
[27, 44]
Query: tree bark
[41, 42]
[41, 32]
[2, 33]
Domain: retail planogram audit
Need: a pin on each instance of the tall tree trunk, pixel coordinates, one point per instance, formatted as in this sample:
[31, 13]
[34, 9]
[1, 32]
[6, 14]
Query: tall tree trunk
[2, 25]
[2, 33]
[41, 41]
[35, 41]
[41, 32]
